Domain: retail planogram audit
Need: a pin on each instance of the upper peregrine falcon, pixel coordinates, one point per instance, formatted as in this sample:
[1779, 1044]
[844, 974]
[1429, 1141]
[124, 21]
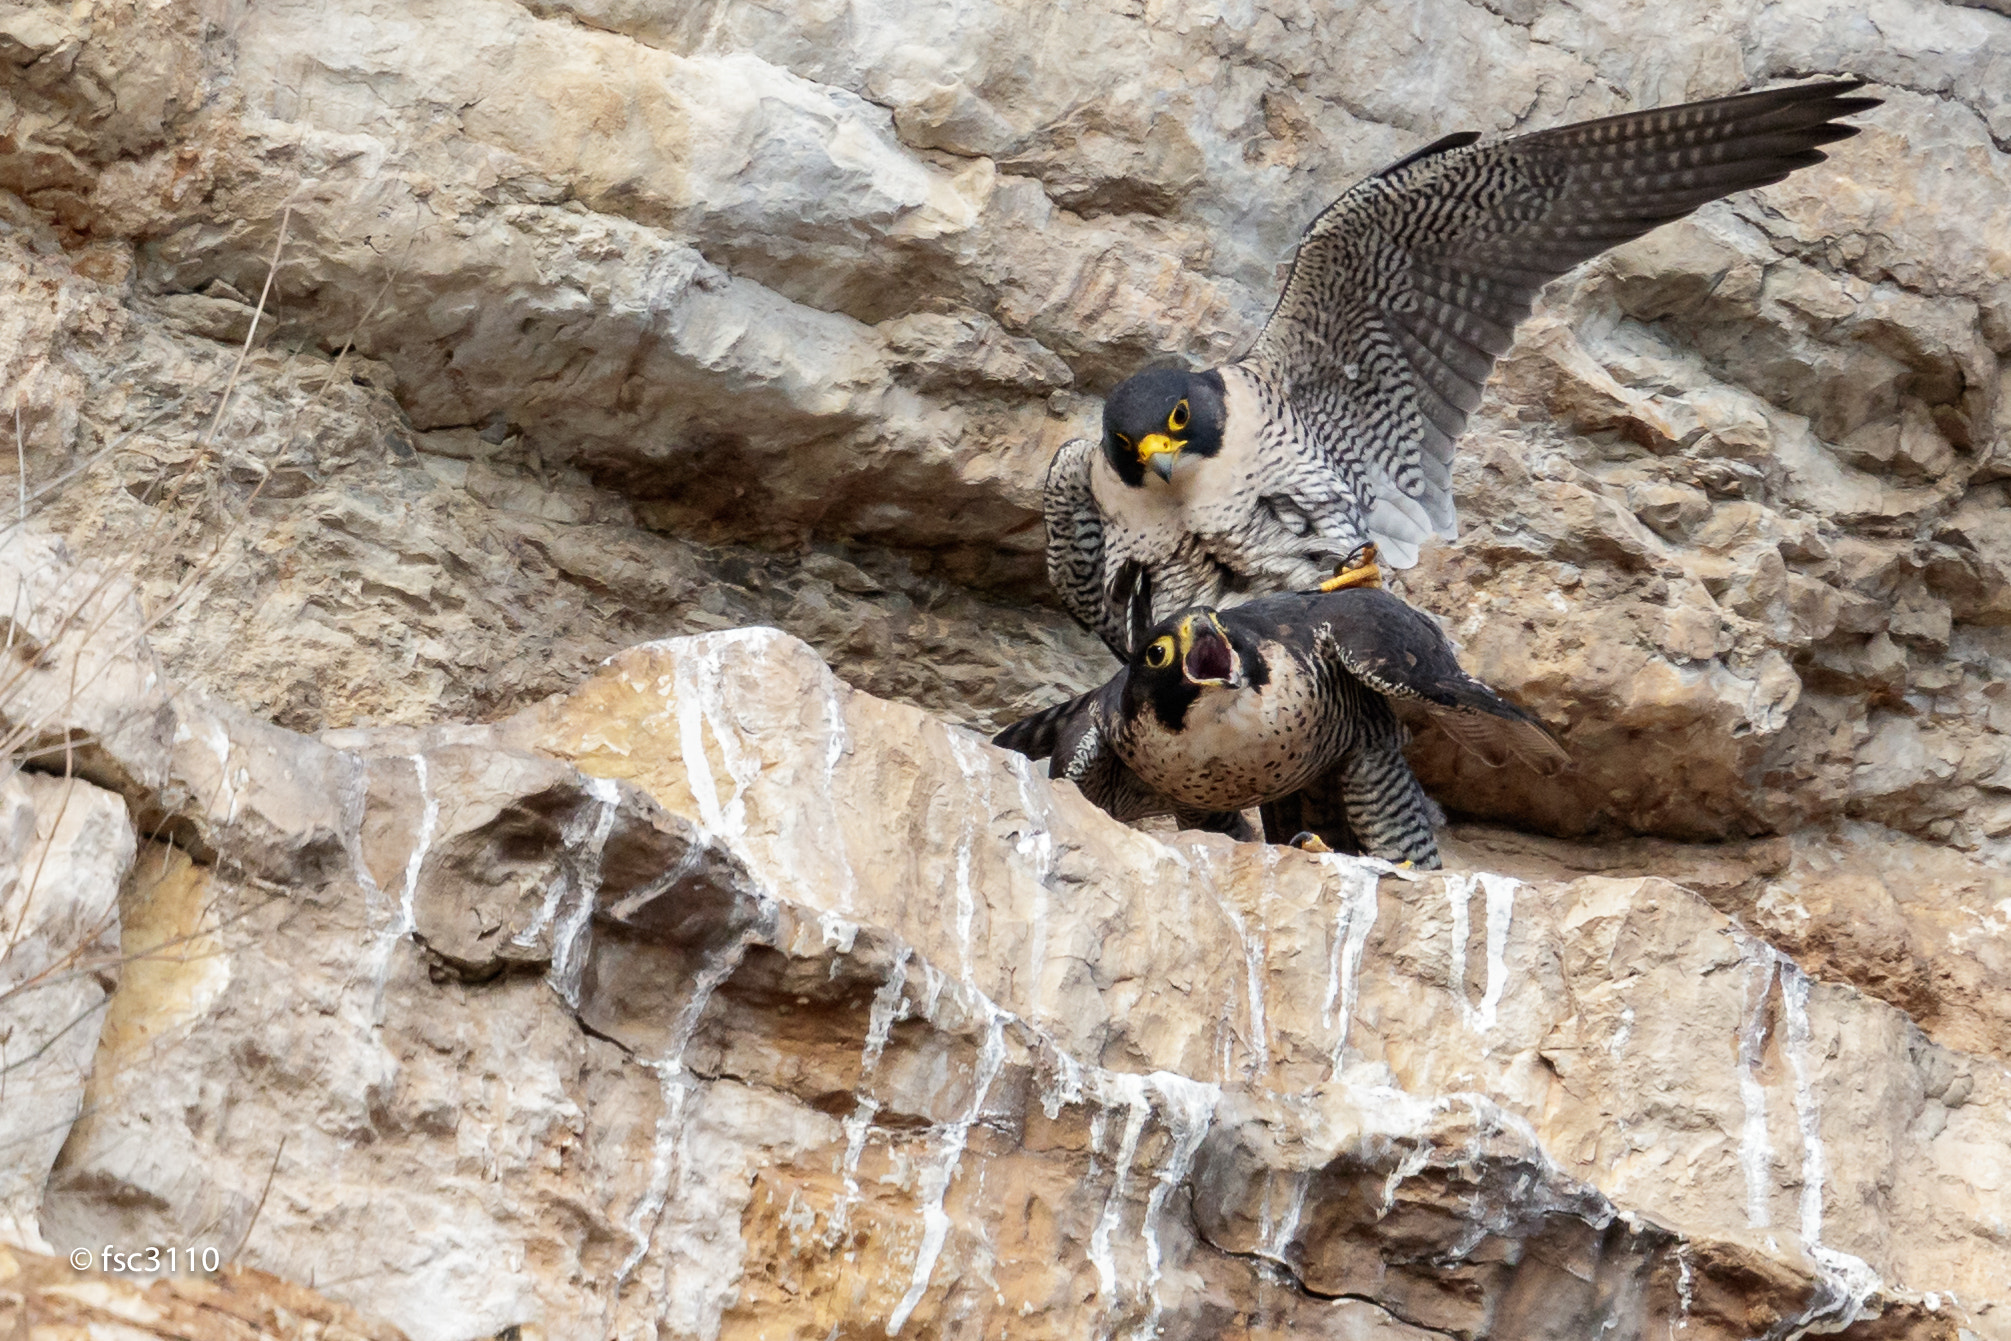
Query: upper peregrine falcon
[1336, 429]
[1281, 704]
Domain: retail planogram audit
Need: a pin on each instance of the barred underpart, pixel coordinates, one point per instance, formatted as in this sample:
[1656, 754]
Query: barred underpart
[1301, 728]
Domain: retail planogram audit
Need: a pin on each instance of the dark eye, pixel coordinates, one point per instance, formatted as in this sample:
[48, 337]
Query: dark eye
[1178, 419]
[1122, 441]
[1160, 655]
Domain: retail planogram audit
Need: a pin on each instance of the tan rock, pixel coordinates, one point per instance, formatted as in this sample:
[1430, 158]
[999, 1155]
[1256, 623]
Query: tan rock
[683, 319]
[41, 1296]
[64, 849]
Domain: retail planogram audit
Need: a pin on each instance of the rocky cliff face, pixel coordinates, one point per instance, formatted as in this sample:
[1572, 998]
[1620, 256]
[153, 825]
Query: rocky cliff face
[364, 926]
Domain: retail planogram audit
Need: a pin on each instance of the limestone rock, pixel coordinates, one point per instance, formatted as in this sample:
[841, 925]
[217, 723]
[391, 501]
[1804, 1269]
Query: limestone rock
[393, 366]
[675, 293]
[65, 846]
[723, 998]
[82, 690]
[40, 1296]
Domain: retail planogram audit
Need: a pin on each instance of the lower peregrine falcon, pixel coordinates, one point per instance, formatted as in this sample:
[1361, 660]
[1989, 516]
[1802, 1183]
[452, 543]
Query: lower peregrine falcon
[1281, 703]
[1336, 429]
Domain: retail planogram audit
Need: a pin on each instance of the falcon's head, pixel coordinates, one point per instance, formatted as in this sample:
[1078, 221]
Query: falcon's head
[1156, 418]
[1185, 657]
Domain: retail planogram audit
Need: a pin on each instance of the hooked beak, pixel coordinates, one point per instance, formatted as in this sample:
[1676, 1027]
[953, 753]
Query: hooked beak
[1160, 452]
[1205, 654]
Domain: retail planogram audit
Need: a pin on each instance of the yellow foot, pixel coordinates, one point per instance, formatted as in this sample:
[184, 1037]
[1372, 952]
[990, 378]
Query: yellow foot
[1357, 570]
[1406, 865]
[1310, 842]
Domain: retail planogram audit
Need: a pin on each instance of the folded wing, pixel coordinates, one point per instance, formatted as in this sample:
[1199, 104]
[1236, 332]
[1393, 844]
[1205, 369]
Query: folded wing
[1401, 653]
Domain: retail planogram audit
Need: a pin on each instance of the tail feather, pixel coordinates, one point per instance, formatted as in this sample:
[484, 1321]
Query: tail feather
[1034, 735]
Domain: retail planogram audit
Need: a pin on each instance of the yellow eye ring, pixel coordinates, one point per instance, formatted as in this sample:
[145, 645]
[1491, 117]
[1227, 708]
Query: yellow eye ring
[1178, 419]
[1122, 441]
[1160, 655]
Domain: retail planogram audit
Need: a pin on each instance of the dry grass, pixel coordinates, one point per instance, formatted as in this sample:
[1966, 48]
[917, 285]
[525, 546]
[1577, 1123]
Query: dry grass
[97, 623]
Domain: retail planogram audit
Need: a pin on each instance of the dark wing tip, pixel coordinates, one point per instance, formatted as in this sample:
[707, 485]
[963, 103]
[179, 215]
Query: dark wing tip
[1540, 749]
[1034, 736]
[1459, 139]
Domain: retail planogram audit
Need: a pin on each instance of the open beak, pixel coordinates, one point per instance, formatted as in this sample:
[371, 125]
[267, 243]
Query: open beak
[1160, 452]
[1205, 654]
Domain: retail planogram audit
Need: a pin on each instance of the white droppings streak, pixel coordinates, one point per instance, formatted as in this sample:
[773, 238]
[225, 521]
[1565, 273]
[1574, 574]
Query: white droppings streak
[1413, 1161]
[936, 1180]
[1253, 969]
[218, 741]
[1685, 1288]
[1064, 1088]
[1794, 1003]
[886, 1010]
[1622, 1032]
[1755, 1152]
[1500, 910]
[1036, 841]
[971, 764]
[1278, 1232]
[1188, 1112]
[1253, 973]
[1357, 917]
[857, 1127]
[664, 1162]
[429, 823]
[1850, 1281]
[403, 918]
[569, 937]
[1459, 892]
[839, 933]
[838, 742]
[691, 745]
[1130, 1089]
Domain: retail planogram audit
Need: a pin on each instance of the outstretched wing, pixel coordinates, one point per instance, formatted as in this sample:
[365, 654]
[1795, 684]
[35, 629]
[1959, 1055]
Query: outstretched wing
[1075, 545]
[1402, 653]
[1408, 288]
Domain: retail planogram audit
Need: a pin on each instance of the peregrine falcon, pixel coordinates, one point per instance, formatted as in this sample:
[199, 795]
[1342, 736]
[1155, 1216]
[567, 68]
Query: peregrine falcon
[1281, 703]
[1336, 429]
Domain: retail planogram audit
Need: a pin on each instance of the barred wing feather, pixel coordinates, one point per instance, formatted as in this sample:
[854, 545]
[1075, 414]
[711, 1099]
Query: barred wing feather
[1408, 288]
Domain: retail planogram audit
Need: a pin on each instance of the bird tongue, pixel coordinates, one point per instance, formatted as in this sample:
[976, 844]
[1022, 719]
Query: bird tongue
[1209, 659]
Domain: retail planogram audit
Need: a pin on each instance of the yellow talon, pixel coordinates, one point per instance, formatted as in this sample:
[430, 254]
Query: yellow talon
[1357, 570]
[1310, 842]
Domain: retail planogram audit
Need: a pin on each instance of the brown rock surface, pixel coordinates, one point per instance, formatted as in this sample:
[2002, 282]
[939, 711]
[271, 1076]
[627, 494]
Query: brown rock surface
[720, 996]
[798, 1010]
[43, 1297]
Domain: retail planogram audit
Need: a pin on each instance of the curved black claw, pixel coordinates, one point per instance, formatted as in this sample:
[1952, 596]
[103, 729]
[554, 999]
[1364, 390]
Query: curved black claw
[1357, 570]
[1308, 841]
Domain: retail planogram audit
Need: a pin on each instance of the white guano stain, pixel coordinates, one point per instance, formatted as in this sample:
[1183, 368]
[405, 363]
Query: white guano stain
[1129, 1090]
[1500, 891]
[1188, 1111]
[856, 1127]
[1458, 893]
[1035, 844]
[1848, 1281]
[1352, 924]
[676, 1093]
[972, 767]
[886, 1011]
[937, 1178]
[1755, 1152]
[570, 941]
